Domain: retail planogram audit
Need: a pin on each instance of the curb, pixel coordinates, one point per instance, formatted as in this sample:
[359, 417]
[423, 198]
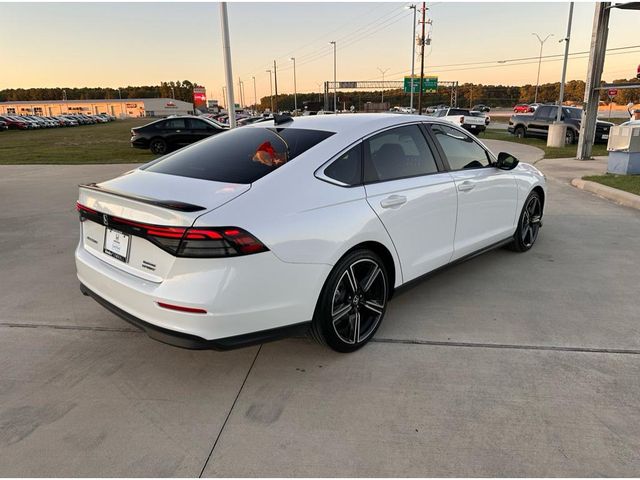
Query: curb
[618, 196]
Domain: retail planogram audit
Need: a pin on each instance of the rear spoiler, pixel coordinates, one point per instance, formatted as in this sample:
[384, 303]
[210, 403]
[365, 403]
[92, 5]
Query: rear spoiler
[168, 204]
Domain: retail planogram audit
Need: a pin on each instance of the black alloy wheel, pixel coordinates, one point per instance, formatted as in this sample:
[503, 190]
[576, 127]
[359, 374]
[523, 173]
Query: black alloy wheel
[352, 303]
[529, 224]
[158, 146]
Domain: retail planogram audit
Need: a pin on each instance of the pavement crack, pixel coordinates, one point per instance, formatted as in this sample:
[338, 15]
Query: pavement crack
[69, 327]
[224, 424]
[550, 348]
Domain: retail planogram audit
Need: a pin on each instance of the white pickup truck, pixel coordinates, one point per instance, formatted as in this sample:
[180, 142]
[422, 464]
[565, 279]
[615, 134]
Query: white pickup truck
[474, 122]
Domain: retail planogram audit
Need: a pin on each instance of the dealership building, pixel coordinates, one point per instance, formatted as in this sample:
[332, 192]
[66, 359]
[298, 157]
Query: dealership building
[130, 107]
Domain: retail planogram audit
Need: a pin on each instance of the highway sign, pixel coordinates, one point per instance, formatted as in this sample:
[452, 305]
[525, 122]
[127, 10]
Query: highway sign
[429, 84]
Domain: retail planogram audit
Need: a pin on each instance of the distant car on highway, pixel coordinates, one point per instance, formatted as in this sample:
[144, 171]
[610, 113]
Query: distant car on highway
[167, 134]
[481, 108]
[3, 126]
[537, 125]
[523, 108]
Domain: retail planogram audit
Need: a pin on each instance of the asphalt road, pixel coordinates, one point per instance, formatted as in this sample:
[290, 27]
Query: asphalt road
[506, 365]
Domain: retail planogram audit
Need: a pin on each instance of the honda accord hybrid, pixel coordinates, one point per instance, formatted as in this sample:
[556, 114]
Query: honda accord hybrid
[297, 224]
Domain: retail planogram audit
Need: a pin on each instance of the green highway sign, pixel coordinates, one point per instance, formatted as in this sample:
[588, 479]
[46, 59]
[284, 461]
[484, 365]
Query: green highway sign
[429, 84]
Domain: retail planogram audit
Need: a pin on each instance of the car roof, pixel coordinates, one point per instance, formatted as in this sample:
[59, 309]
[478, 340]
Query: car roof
[349, 123]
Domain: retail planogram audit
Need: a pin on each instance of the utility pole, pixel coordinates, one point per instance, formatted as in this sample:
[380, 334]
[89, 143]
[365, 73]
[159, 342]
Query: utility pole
[535, 100]
[382, 72]
[224, 97]
[335, 86]
[599, 35]
[413, 55]
[275, 84]
[226, 47]
[295, 93]
[319, 85]
[240, 92]
[422, 42]
[564, 65]
[255, 97]
[270, 89]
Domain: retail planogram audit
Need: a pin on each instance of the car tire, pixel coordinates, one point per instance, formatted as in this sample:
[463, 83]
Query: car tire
[352, 303]
[158, 146]
[570, 138]
[520, 132]
[529, 224]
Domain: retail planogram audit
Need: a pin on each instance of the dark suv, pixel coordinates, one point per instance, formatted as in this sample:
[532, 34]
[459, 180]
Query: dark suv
[168, 134]
[537, 125]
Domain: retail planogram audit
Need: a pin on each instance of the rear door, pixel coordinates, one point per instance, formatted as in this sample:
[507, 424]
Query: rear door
[542, 118]
[176, 132]
[487, 196]
[413, 197]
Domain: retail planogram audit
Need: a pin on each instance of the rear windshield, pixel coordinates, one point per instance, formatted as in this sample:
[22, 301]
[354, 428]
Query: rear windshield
[241, 155]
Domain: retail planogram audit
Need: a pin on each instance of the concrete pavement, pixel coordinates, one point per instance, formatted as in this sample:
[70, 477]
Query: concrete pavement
[506, 365]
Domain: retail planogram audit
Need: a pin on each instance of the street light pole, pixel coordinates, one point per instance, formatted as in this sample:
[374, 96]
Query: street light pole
[295, 93]
[226, 47]
[424, 12]
[270, 89]
[173, 95]
[255, 97]
[535, 100]
[413, 55]
[335, 86]
[382, 72]
[564, 65]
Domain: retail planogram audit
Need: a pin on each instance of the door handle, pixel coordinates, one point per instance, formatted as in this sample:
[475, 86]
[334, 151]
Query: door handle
[393, 201]
[466, 186]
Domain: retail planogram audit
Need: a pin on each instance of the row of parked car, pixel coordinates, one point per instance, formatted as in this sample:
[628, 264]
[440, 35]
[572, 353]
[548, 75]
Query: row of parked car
[32, 122]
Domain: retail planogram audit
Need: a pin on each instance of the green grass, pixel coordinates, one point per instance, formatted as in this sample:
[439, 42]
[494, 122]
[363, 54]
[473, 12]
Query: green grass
[628, 183]
[100, 143]
[568, 151]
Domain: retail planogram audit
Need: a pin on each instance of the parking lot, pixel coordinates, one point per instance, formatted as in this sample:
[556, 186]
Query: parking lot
[506, 365]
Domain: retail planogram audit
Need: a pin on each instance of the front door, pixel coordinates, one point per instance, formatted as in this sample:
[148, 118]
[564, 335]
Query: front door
[487, 196]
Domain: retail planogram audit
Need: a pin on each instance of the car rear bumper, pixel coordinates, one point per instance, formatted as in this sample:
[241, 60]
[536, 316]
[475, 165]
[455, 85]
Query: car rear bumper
[247, 299]
[137, 142]
[184, 340]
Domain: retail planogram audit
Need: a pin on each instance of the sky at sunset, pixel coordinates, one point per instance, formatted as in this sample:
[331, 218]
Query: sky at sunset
[120, 44]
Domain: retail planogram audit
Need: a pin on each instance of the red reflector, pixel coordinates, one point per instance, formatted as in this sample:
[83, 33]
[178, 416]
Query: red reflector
[83, 208]
[180, 308]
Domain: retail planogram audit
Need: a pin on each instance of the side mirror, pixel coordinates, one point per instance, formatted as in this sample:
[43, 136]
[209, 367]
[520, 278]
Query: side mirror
[506, 161]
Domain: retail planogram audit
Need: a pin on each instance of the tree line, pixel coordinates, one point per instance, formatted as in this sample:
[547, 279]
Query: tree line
[468, 95]
[180, 90]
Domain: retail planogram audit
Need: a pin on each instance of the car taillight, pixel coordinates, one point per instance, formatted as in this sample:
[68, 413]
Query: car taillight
[194, 242]
[487, 120]
[133, 132]
[461, 120]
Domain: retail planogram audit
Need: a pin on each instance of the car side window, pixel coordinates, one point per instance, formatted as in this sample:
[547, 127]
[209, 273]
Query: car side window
[347, 168]
[199, 125]
[461, 150]
[545, 112]
[175, 124]
[397, 153]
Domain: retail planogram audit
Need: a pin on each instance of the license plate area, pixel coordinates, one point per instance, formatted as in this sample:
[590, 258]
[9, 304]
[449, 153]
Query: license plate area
[117, 244]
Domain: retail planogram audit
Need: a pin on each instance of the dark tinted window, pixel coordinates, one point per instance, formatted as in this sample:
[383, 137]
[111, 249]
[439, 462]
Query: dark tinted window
[175, 124]
[199, 125]
[398, 153]
[575, 113]
[241, 155]
[348, 167]
[461, 150]
[546, 112]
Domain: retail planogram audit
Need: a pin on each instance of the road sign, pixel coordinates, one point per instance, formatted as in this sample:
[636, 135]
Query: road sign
[429, 84]
[612, 92]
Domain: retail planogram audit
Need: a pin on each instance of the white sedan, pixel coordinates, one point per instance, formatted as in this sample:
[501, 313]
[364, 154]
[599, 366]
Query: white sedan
[307, 223]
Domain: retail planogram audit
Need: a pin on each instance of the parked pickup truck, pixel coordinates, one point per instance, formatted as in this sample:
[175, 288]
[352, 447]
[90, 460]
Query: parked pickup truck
[474, 122]
[537, 125]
